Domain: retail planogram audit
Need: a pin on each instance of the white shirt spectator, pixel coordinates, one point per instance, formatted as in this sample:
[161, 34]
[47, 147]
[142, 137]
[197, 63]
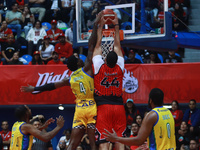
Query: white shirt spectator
[69, 34]
[47, 52]
[63, 138]
[36, 34]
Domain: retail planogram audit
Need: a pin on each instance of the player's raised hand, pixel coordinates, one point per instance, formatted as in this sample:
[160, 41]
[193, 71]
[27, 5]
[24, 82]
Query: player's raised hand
[48, 122]
[115, 21]
[112, 137]
[60, 121]
[28, 88]
[103, 21]
[98, 17]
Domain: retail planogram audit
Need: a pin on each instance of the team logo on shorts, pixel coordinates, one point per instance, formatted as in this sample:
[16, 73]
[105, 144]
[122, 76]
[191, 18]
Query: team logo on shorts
[130, 83]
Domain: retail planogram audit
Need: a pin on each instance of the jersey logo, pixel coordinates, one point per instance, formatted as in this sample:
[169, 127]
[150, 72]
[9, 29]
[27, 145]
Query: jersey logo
[130, 83]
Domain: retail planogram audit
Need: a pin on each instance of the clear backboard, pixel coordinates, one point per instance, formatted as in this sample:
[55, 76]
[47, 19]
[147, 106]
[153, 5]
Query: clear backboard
[142, 21]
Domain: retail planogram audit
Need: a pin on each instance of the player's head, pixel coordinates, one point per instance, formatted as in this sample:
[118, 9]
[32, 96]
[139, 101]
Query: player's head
[72, 63]
[111, 59]
[156, 97]
[23, 113]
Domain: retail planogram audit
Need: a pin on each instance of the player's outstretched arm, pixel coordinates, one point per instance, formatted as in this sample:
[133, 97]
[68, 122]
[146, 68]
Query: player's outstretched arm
[91, 45]
[46, 87]
[143, 133]
[29, 129]
[117, 45]
[98, 50]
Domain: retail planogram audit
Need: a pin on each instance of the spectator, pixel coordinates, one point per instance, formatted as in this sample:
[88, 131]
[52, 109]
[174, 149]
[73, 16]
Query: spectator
[159, 19]
[53, 10]
[37, 143]
[4, 31]
[55, 60]
[151, 9]
[66, 138]
[172, 58]
[36, 59]
[46, 50]
[194, 144]
[178, 18]
[62, 145]
[67, 8]
[15, 60]
[131, 112]
[135, 130]
[35, 37]
[2, 11]
[192, 117]
[1, 62]
[69, 33]
[138, 119]
[79, 147]
[95, 11]
[13, 18]
[28, 20]
[183, 136]
[5, 134]
[63, 48]
[131, 58]
[54, 32]
[85, 142]
[38, 7]
[153, 58]
[9, 48]
[177, 114]
[87, 6]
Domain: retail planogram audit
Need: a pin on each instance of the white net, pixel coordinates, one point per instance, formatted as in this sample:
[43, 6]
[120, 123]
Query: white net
[108, 45]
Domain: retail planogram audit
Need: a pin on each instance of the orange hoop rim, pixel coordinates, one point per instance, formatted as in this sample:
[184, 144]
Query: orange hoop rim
[108, 32]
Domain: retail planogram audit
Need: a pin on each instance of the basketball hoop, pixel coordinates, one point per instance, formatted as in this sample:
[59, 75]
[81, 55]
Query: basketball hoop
[107, 44]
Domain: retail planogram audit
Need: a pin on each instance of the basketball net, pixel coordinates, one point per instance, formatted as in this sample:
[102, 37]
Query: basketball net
[107, 44]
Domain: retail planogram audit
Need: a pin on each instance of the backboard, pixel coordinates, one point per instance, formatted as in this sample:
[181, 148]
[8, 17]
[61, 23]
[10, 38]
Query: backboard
[142, 21]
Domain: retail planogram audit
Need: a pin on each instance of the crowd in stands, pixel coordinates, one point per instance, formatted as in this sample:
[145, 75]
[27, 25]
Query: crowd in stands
[24, 19]
[187, 129]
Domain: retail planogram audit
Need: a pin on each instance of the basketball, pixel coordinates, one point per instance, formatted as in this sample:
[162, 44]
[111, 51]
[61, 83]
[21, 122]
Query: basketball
[109, 13]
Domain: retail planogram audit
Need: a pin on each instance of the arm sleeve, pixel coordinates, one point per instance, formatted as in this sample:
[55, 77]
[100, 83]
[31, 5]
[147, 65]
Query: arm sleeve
[97, 62]
[120, 62]
[46, 87]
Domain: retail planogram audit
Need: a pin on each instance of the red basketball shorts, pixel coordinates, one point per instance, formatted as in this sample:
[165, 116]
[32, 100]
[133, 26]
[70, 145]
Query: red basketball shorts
[110, 117]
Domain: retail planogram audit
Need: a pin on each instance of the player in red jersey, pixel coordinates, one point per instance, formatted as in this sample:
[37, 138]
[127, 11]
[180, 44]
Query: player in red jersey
[108, 77]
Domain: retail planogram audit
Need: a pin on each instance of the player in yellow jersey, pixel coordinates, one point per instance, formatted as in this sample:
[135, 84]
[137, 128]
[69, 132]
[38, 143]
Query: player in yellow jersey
[23, 131]
[82, 85]
[158, 126]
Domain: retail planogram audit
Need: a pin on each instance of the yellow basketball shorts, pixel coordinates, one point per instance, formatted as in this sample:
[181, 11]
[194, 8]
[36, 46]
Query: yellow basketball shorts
[85, 113]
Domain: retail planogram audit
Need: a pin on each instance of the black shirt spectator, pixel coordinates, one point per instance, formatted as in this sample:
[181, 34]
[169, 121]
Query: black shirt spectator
[15, 60]
[173, 58]
[131, 58]
[9, 48]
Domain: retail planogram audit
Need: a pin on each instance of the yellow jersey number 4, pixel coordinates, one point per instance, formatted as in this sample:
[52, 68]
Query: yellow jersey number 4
[82, 88]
